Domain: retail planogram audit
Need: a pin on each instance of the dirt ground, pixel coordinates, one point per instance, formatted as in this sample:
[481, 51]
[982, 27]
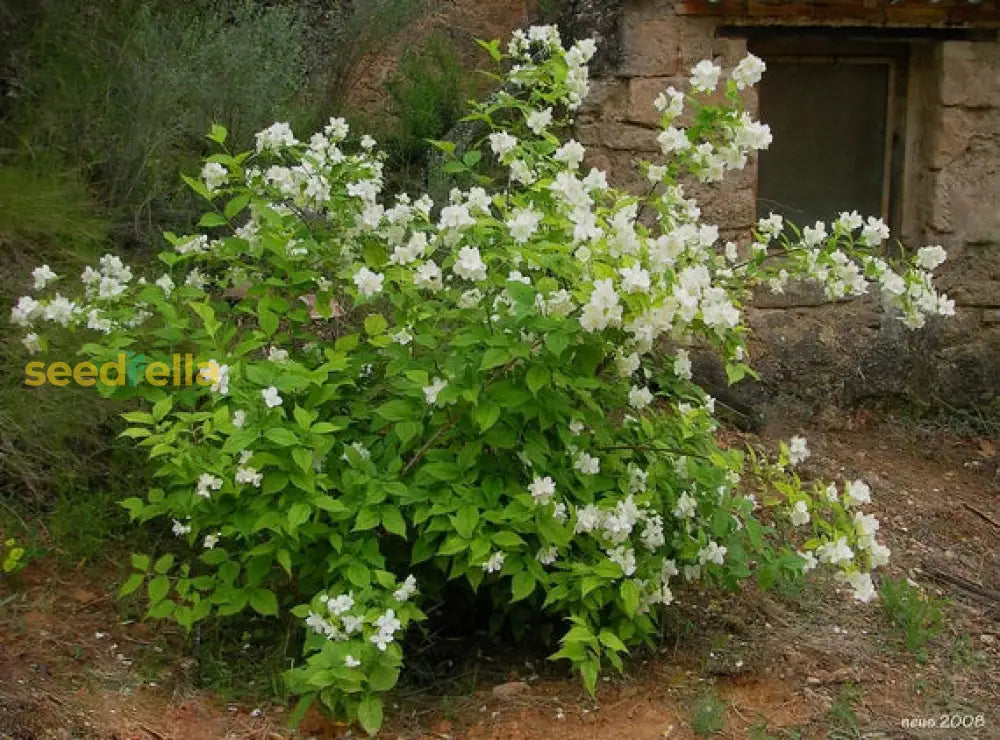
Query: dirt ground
[804, 664]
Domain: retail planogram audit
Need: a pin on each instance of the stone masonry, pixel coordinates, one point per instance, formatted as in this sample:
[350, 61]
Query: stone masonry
[813, 356]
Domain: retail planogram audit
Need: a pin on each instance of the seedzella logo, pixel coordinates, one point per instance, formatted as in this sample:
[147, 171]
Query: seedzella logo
[127, 369]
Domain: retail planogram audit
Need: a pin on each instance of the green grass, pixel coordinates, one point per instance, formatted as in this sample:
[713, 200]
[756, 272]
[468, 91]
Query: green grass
[709, 715]
[918, 618]
[843, 720]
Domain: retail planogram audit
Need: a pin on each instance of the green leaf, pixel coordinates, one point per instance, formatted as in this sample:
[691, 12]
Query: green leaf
[140, 562]
[370, 714]
[268, 321]
[375, 324]
[263, 601]
[611, 641]
[217, 133]
[236, 205]
[407, 430]
[285, 560]
[131, 584]
[522, 585]
[486, 415]
[465, 520]
[537, 378]
[588, 671]
[630, 597]
[397, 410]
[211, 220]
[298, 515]
[164, 564]
[303, 458]
[157, 589]
[392, 520]
[494, 357]
[163, 609]
[556, 342]
[383, 677]
[367, 518]
[471, 158]
[282, 436]
[162, 407]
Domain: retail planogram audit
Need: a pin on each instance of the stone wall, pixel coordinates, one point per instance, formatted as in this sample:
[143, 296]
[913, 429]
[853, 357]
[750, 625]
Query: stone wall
[814, 356]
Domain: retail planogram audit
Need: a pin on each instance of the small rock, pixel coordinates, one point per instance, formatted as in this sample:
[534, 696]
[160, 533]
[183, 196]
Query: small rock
[511, 688]
[988, 639]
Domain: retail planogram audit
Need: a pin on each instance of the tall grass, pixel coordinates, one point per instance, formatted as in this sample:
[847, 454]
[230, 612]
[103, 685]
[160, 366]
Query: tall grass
[51, 439]
[124, 90]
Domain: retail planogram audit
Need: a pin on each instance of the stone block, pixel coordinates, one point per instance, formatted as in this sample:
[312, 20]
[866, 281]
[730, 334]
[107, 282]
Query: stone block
[970, 74]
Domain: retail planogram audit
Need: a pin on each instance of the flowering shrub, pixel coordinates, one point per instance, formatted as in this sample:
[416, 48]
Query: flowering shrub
[400, 395]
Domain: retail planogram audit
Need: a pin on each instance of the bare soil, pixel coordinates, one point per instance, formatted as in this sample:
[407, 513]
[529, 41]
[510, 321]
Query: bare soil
[805, 664]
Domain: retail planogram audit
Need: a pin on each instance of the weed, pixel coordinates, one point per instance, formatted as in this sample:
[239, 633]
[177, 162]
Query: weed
[841, 716]
[709, 714]
[917, 617]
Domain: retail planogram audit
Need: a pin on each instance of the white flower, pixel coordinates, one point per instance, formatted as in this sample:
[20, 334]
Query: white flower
[639, 398]
[540, 120]
[813, 236]
[59, 310]
[624, 558]
[271, 397]
[501, 143]
[682, 365]
[239, 419]
[713, 552]
[670, 102]
[277, 354]
[211, 540]
[402, 337]
[705, 76]
[849, 221]
[275, 137]
[429, 276]
[470, 298]
[864, 589]
[878, 553]
[180, 529]
[368, 282]
[31, 342]
[673, 140]
[522, 223]
[340, 604]
[351, 662]
[930, 257]
[835, 552]
[522, 173]
[857, 493]
[748, 72]
[800, 514]
[571, 154]
[874, 232]
[808, 561]
[831, 492]
[494, 563]
[576, 426]
[469, 264]
[431, 391]
[165, 284]
[248, 475]
[686, 506]
[27, 308]
[206, 484]
[634, 279]
[404, 592]
[547, 555]
[797, 450]
[217, 374]
[587, 465]
[43, 276]
[214, 175]
[542, 489]
[367, 142]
